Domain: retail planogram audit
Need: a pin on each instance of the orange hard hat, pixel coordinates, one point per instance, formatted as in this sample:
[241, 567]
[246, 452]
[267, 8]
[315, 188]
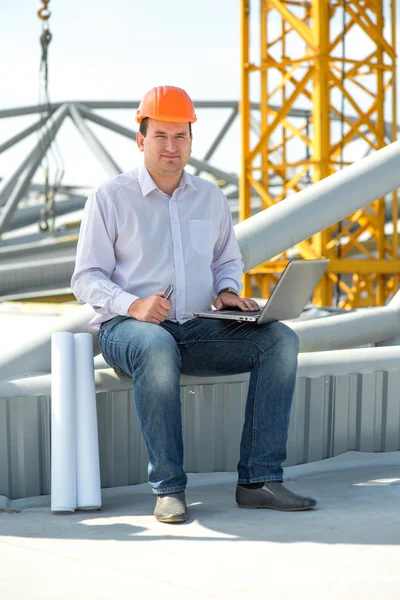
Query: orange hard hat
[166, 103]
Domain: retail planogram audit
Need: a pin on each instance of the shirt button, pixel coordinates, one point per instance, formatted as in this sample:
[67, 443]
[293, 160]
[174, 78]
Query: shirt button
[180, 293]
[179, 268]
[177, 245]
[174, 221]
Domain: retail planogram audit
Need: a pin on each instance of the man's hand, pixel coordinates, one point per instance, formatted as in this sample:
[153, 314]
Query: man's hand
[228, 300]
[153, 309]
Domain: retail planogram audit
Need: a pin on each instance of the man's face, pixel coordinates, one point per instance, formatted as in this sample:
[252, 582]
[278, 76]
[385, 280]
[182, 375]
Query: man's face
[167, 146]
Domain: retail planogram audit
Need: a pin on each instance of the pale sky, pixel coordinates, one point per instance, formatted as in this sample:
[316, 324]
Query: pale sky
[117, 50]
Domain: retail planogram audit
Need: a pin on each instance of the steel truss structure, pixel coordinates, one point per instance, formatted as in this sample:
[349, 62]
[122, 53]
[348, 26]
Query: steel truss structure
[15, 187]
[328, 57]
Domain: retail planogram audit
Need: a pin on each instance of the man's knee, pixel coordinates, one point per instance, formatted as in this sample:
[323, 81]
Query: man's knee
[157, 349]
[289, 337]
[284, 336]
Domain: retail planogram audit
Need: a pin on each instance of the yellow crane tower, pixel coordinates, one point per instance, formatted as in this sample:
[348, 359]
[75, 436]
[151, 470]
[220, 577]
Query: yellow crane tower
[324, 78]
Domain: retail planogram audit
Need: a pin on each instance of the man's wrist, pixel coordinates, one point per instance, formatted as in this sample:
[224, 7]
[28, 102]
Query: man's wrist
[228, 290]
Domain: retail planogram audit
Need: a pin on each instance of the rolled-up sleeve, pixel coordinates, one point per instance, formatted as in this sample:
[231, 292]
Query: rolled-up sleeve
[227, 265]
[95, 260]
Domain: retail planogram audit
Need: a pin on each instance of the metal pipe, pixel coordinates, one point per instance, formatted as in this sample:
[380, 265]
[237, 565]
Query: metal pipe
[105, 159]
[38, 274]
[315, 208]
[342, 362]
[33, 355]
[314, 364]
[30, 214]
[358, 328]
[330, 333]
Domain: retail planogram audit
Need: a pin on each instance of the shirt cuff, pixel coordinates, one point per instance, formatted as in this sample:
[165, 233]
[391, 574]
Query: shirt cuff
[226, 282]
[122, 303]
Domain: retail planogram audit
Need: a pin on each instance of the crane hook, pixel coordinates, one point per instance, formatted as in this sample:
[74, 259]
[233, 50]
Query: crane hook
[44, 13]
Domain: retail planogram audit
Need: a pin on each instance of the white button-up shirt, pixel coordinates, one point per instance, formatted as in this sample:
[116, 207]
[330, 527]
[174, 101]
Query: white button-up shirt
[135, 240]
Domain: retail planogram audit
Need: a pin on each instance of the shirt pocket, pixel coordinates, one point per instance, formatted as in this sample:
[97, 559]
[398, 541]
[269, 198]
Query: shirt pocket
[202, 236]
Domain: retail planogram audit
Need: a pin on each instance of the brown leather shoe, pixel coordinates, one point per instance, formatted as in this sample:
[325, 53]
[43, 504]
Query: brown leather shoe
[272, 495]
[171, 508]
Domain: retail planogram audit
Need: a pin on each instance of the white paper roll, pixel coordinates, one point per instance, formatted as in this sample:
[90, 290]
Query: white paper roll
[88, 463]
[63, 423]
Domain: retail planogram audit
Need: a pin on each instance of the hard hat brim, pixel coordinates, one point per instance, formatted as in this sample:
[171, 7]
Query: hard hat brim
[169, 119]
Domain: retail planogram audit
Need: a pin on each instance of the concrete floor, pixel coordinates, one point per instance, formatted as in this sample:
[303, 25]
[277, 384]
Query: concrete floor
[349, 547]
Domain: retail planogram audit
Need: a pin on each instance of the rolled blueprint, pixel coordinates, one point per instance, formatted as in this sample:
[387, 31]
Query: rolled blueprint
[88, 463]
[63, 423]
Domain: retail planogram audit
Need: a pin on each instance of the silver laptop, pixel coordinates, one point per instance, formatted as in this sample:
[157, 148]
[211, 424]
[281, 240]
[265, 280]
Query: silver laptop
[288, 298]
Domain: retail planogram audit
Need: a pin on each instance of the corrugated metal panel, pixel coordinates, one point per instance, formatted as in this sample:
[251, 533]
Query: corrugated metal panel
[330, 415]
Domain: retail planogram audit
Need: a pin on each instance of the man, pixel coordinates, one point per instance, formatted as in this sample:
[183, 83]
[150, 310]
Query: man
[158, 225]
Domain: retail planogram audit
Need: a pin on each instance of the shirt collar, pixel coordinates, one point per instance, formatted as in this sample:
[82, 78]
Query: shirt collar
[147, 183]
[186, 179]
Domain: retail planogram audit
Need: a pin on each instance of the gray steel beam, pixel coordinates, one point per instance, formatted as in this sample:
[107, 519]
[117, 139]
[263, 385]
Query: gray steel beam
[105, 159]
[131, 134]
[19, 190]
[133, 104]
[126, 105]
[7, 185]
[219, 137]
[218, 173]
[107, 123]
[28, 110]
[32, 161]
[20, 136]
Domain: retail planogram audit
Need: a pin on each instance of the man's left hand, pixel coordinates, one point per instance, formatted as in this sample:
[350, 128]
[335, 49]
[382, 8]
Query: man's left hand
[228, 300]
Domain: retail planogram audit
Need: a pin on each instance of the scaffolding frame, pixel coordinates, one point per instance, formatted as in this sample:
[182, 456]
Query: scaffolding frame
[304, 61]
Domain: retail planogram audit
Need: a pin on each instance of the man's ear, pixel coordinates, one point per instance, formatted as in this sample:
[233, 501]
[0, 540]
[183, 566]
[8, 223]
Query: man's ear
[140, 141]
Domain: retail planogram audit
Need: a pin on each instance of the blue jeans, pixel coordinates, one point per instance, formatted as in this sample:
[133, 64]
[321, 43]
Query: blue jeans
[156, 355]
